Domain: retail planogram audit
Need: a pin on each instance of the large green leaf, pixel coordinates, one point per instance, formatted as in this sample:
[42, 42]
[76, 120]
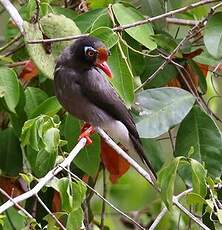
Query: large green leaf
[52, 26]
[199, 131]
[9, 88]
[10, 153]
[85, 21]
[48, 107]
[106, 35]
[213, 35]
[58, 26]
[34, 97]
[122, 78]
[126, 15]
[88, 159]
[166, 179]
[45, 62]
[161, 109]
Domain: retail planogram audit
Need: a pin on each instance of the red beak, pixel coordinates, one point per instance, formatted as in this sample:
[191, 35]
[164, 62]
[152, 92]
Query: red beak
[105, 68]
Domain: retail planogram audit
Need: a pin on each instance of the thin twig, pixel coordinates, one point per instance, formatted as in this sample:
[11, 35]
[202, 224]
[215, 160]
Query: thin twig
[16, 204]
[50, 213]
[104, 199]
[164, 210]
[11, 42]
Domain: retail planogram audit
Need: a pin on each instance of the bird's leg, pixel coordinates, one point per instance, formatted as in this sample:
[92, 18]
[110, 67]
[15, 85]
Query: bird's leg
[86, 130]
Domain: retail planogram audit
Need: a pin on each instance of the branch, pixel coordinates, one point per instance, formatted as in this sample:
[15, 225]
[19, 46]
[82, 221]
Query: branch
[13, 12]
[43, 181]
[170, 13]
[164, 210]
[180, 21]
[127, 26]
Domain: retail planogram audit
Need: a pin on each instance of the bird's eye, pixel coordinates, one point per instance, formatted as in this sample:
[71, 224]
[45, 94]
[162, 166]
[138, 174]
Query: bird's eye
[89, 51]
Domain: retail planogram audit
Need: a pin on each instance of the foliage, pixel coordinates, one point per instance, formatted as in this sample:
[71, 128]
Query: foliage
[170, 98]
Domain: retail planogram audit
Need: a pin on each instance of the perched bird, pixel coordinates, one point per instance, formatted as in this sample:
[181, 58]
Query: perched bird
[86, 94]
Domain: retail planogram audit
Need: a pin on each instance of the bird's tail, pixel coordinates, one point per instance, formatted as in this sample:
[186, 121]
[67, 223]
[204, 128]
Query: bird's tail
[139, 148]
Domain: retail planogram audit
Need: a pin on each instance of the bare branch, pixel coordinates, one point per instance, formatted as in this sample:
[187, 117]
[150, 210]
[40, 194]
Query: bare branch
[14, 14]
[16, 205]
[180, 21]
[50, 213]
[170, 13]
[138, 23]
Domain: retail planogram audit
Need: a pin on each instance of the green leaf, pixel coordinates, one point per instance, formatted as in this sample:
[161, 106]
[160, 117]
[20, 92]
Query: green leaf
[166, 180]
[34, 97]
[161, 109]
[213, 35]
[194, 199]
[165, 41]
[106, 35]
[103, 20]
[85, 21]
[94, 4]
[59, 26]
[10, 153]
[52, 26]
[75, 219]
[44, 162]
[88, 159]
[126, 15]
[163, 77]
[122, 78]
[44, 62]
[48, 107]
[198, 178]
[201, 77]
[199, 130]
[51, 140]
[153, 152]
[9, 88]
[69, 13]
[71, 193]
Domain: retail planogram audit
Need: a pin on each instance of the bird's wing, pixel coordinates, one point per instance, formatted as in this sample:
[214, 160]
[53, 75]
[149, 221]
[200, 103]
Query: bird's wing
[100, 92]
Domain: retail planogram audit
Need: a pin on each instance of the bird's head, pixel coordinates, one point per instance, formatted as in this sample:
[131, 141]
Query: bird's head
[88, 52]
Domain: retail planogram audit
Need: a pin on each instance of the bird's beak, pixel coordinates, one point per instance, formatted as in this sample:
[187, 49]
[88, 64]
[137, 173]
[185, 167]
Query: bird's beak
[105, 68]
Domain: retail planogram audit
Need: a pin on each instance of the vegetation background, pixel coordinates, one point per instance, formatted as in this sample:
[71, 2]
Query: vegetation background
[166, 61]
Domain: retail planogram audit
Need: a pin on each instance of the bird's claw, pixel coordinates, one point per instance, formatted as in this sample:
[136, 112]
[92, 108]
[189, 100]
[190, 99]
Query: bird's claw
[86, 130]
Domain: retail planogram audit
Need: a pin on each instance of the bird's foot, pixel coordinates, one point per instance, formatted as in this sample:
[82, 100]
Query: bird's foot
[86, 130]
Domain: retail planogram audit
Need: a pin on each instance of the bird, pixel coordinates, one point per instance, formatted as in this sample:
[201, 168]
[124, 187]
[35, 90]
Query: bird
[85, 93]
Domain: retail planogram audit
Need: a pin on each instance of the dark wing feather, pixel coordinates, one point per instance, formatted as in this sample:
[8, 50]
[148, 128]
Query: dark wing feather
[99, 91]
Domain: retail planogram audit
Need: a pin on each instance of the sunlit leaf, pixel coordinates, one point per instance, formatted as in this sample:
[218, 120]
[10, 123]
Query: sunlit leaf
[166, 180]
[75, 219]
[106, 35]
[213, 35]
[161, 109]
[198, 178]
[127, 14]
[122, 78]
